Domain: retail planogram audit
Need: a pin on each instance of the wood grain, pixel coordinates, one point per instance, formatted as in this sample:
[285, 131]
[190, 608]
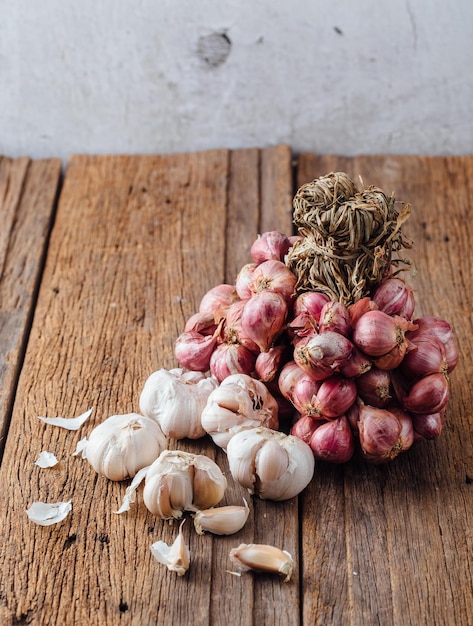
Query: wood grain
[28, 192]
[136, 243]
[259, 192]
[397, 540]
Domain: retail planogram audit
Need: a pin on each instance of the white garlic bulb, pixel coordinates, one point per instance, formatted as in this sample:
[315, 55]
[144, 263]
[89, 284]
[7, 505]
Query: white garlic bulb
[175, 399]
[123, 444]
[181, 481]
[239, 402]
[269, 463]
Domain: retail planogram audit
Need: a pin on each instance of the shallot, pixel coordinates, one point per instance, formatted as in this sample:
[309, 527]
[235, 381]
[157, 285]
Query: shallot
[263, 318]
[333, 441]
[270, 245]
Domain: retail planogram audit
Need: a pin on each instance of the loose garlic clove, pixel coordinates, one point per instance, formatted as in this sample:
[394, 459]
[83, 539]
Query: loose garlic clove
[123, 444]
[239, 402]
[175, 557]
[175, 399]
[181, 481]
[269, 463]
[262, 558]
[223, 520]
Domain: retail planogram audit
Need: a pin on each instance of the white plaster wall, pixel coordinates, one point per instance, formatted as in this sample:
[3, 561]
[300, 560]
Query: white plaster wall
[145, 76]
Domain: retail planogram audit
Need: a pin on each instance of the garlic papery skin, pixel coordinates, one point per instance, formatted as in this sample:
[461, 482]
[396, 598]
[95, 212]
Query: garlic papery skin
[123, 444]
[222, 520]
[262, 558]
[269, 463]
[239, 402]
[180, 481]
[175, 399]
[175, 557]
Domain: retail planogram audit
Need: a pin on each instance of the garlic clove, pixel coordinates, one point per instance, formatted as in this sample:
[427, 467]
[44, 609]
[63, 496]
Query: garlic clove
[209, 483]
[181, 481]
[262, 558]
[176, 557]
[242, 457]
[223, 520]
[181, 490]
[272, 462]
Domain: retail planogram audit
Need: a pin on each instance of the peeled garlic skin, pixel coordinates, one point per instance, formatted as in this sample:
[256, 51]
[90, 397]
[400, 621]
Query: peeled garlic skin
[181, 481]
[269, 463]
[123, 444]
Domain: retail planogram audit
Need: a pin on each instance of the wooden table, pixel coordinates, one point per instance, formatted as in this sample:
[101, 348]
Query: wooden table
[99, 270]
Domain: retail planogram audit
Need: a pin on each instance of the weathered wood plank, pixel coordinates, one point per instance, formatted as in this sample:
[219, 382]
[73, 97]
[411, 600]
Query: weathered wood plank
[393, 544]
[260, 189]
[136, 243]
[28, 191]
[277, 522]
[127, 264]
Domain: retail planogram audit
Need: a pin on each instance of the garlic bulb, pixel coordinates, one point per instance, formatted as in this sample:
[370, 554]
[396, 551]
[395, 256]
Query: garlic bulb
[180, 481]
[123, 444]
[240, 402]
[269, 463]
[175, 399]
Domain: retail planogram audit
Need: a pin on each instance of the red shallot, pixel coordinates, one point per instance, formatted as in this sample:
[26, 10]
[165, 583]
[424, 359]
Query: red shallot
[395, 297]
[320, 355]
[263, 318]
[333, 441]
[231, 358]
[273, 276]
[380, 432]
[270, 245]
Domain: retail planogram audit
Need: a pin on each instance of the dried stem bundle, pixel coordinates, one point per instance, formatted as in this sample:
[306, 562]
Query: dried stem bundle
[348, 237]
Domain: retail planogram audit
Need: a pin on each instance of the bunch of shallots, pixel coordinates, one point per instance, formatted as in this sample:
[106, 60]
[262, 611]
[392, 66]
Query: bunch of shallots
[366, 376]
